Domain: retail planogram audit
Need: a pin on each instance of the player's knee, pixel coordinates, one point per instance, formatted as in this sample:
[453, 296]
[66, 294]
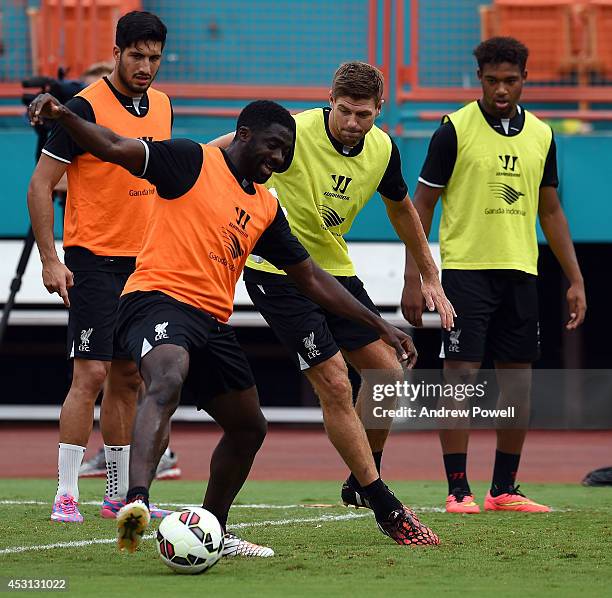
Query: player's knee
[131, 382]
[88, 378]
[335, 390]
[252, 437]
[123, 386]
[165, 388]
[248, 433]
[258, 431]
[165, 401]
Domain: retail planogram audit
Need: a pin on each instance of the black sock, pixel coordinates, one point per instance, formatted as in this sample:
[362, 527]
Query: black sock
[504, 472]
[138, 493]
[221, 518]
[377, 459]
[352, 480]
[455, 466]
[381, 498]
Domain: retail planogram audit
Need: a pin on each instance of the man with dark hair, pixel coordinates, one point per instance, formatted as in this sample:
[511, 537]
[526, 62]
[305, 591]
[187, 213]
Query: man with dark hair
[211, 212]
[494, 164]
[502, 49]
[340, 160]
[258, 116]
[106, 213]
[138, 26]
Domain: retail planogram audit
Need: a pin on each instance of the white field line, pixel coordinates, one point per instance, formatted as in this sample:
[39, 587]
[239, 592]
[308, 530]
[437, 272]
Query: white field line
[96, 503]
[418, 509]
[82, 543]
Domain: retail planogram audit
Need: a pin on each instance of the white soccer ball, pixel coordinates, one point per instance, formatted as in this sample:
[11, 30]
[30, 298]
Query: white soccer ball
[190, 541]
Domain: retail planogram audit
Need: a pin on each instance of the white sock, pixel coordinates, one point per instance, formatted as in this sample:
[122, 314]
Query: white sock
[168, 452]
[68, 464]
[117, 471]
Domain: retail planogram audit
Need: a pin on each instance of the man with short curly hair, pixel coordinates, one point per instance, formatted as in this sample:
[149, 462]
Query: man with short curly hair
[494, 163]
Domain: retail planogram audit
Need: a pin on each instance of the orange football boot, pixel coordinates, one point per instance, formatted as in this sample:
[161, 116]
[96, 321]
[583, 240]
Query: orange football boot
[513, 500]
[461, 501]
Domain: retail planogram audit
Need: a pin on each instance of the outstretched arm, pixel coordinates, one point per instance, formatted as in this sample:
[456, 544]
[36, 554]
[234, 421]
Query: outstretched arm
[325, 290]
[407, 225]
[99, 141]
[555, 228]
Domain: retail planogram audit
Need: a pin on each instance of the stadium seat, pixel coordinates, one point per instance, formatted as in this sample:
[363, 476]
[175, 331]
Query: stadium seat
[487, 28]
[551, 56]
[74, 33]
[598, 15]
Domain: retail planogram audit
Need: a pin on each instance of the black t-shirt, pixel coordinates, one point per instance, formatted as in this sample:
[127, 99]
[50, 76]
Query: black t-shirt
[442, 152]
[60, 145]
[174, 166]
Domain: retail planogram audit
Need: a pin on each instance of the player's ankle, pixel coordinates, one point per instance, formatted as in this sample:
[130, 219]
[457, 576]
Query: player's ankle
[353, 482]
[383, 501]
[455, 467]
[138, 493]
[377, 456]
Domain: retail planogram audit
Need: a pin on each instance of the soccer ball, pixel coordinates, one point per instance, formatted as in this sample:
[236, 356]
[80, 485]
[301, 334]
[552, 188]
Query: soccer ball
[190, 541]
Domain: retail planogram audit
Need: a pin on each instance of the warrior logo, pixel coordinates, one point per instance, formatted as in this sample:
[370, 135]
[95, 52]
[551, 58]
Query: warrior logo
[508, 162]
[341, 182]
[242, 218]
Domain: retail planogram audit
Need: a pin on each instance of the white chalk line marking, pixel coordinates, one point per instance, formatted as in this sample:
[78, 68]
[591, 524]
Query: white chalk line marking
[95, 503]
[82, 543]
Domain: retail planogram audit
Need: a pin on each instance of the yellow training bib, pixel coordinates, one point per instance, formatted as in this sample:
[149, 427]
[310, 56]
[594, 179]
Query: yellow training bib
[490, 203]
[322, 191]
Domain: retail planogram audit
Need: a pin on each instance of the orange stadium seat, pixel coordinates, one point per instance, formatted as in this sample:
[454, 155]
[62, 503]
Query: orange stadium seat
[487, 28]
[74, 33]
[599, 26]
[544, 26]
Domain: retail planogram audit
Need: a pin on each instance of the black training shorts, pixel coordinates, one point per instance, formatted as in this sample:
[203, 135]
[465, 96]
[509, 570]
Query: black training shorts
[94, 299]
[497, 316]
[217, 363]
[311, 333]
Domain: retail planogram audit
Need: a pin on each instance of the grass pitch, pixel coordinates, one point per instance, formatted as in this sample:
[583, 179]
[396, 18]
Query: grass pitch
[323, 550]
